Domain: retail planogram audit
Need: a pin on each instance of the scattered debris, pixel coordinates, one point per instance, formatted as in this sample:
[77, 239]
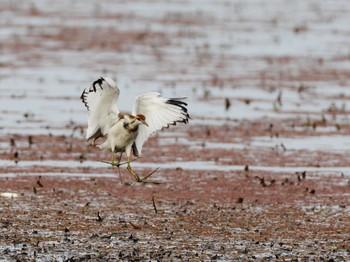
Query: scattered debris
[240, 200]
[246, 168]
[154, 205]
[227, 104]
[8, 195]
[38, 182]
[99, 218]
[134, 226]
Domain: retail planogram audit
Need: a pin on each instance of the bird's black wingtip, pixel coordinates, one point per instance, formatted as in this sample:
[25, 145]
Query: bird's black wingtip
[178, 102]
[92, 88]
[181, 104]
[83, 99]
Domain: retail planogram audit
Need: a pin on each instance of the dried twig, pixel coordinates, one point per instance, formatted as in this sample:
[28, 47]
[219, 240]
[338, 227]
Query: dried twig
[154, 205]
[134, 226]
[99, 218]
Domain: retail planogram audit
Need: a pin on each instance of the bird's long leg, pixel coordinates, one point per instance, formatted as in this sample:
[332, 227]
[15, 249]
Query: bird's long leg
[132, 172]
[120, 158]
[136, 177]
[116, 163]
[113, 158]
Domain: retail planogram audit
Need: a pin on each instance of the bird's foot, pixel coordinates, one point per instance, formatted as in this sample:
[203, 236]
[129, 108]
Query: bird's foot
[144, 180]
[117, 164]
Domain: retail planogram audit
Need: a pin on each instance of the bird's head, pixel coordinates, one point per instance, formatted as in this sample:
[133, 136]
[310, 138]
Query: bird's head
[141, 119]
[131, 122]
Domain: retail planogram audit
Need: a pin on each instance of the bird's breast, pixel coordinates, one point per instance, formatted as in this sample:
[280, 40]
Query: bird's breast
[121, 134]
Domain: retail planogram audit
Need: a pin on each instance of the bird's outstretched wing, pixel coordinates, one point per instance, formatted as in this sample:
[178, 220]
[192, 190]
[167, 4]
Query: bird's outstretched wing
[160, 112]
[101, 101]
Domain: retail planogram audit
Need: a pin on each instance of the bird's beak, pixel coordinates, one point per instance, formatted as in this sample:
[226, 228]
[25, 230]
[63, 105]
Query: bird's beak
[144, 122]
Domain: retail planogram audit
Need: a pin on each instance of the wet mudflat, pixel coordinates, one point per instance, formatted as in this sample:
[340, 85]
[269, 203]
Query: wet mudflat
[260, 173]
[194, 215]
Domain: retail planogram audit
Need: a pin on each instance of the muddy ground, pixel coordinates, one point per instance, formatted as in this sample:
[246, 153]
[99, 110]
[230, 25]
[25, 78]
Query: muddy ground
[260, 173]
[192, 215]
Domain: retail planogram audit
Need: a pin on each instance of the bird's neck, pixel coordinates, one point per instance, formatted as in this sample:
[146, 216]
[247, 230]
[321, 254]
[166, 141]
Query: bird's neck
[130, 128]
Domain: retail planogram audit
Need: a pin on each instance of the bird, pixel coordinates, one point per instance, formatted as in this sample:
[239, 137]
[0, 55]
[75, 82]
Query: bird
[125, 132]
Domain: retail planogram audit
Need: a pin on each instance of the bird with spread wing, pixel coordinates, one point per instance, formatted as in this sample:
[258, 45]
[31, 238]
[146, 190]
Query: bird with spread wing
[128, 132]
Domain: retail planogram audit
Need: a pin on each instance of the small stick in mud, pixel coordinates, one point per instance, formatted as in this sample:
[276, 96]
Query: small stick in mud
[240, 200]
[38, 182]
[12, 142]
[246, 168]
[134, 226]
[227, 104]
[15, 156]
[99, 218]
[30, 141]
[154, 205]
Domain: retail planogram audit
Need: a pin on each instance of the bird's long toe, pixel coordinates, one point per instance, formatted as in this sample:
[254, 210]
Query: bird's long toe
[143, 179]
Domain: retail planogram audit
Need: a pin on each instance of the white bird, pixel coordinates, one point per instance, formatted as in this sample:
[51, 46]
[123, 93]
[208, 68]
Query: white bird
[151, 112]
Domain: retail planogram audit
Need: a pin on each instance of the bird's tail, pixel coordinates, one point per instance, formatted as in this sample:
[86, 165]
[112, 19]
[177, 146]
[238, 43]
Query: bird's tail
[134, 150]
[104, 145]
